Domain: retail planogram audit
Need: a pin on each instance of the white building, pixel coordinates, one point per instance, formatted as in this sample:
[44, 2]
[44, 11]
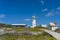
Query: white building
[53, 26]
[43, 25]
[19, 25]
[33, 22]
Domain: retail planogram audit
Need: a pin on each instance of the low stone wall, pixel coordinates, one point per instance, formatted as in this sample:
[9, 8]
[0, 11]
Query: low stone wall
[24, 32]
[2, 31]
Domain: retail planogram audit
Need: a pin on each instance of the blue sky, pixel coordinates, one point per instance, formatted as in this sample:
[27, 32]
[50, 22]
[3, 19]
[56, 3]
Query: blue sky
[21, 11]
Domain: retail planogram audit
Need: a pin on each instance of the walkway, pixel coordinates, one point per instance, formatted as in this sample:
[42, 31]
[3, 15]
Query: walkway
[54, 34]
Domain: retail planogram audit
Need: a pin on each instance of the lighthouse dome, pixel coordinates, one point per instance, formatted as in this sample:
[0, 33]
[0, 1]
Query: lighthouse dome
[33, 17]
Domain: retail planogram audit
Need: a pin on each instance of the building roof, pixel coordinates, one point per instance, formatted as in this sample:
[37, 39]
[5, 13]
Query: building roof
[53, 24]
[18, 24]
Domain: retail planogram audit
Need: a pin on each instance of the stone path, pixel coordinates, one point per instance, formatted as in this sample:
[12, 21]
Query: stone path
[54, 34]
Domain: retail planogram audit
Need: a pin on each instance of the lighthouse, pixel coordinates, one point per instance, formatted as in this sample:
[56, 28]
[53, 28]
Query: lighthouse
[33, 22]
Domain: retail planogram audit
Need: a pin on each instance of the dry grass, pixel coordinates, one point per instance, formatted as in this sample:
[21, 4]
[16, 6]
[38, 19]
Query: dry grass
[43, 36]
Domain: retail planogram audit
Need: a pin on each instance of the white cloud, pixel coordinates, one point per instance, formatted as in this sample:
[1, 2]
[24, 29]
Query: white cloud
[1, 22]
[58, 8]
[45, 9]
[57, 12]
[2, 15]
[51, 13]
[27, 19]
[42, 2]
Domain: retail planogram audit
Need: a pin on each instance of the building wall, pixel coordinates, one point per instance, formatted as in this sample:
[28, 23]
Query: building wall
[44, 26]
[33, 23]
[54, 28]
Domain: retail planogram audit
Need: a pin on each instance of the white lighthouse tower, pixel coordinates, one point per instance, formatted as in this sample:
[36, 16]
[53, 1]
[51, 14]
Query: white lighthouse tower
[33, 22]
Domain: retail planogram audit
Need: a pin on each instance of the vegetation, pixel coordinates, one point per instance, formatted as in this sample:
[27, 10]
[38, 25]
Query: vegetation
[57, 30]
[27, 29]
[43, 36]
[2, 25]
